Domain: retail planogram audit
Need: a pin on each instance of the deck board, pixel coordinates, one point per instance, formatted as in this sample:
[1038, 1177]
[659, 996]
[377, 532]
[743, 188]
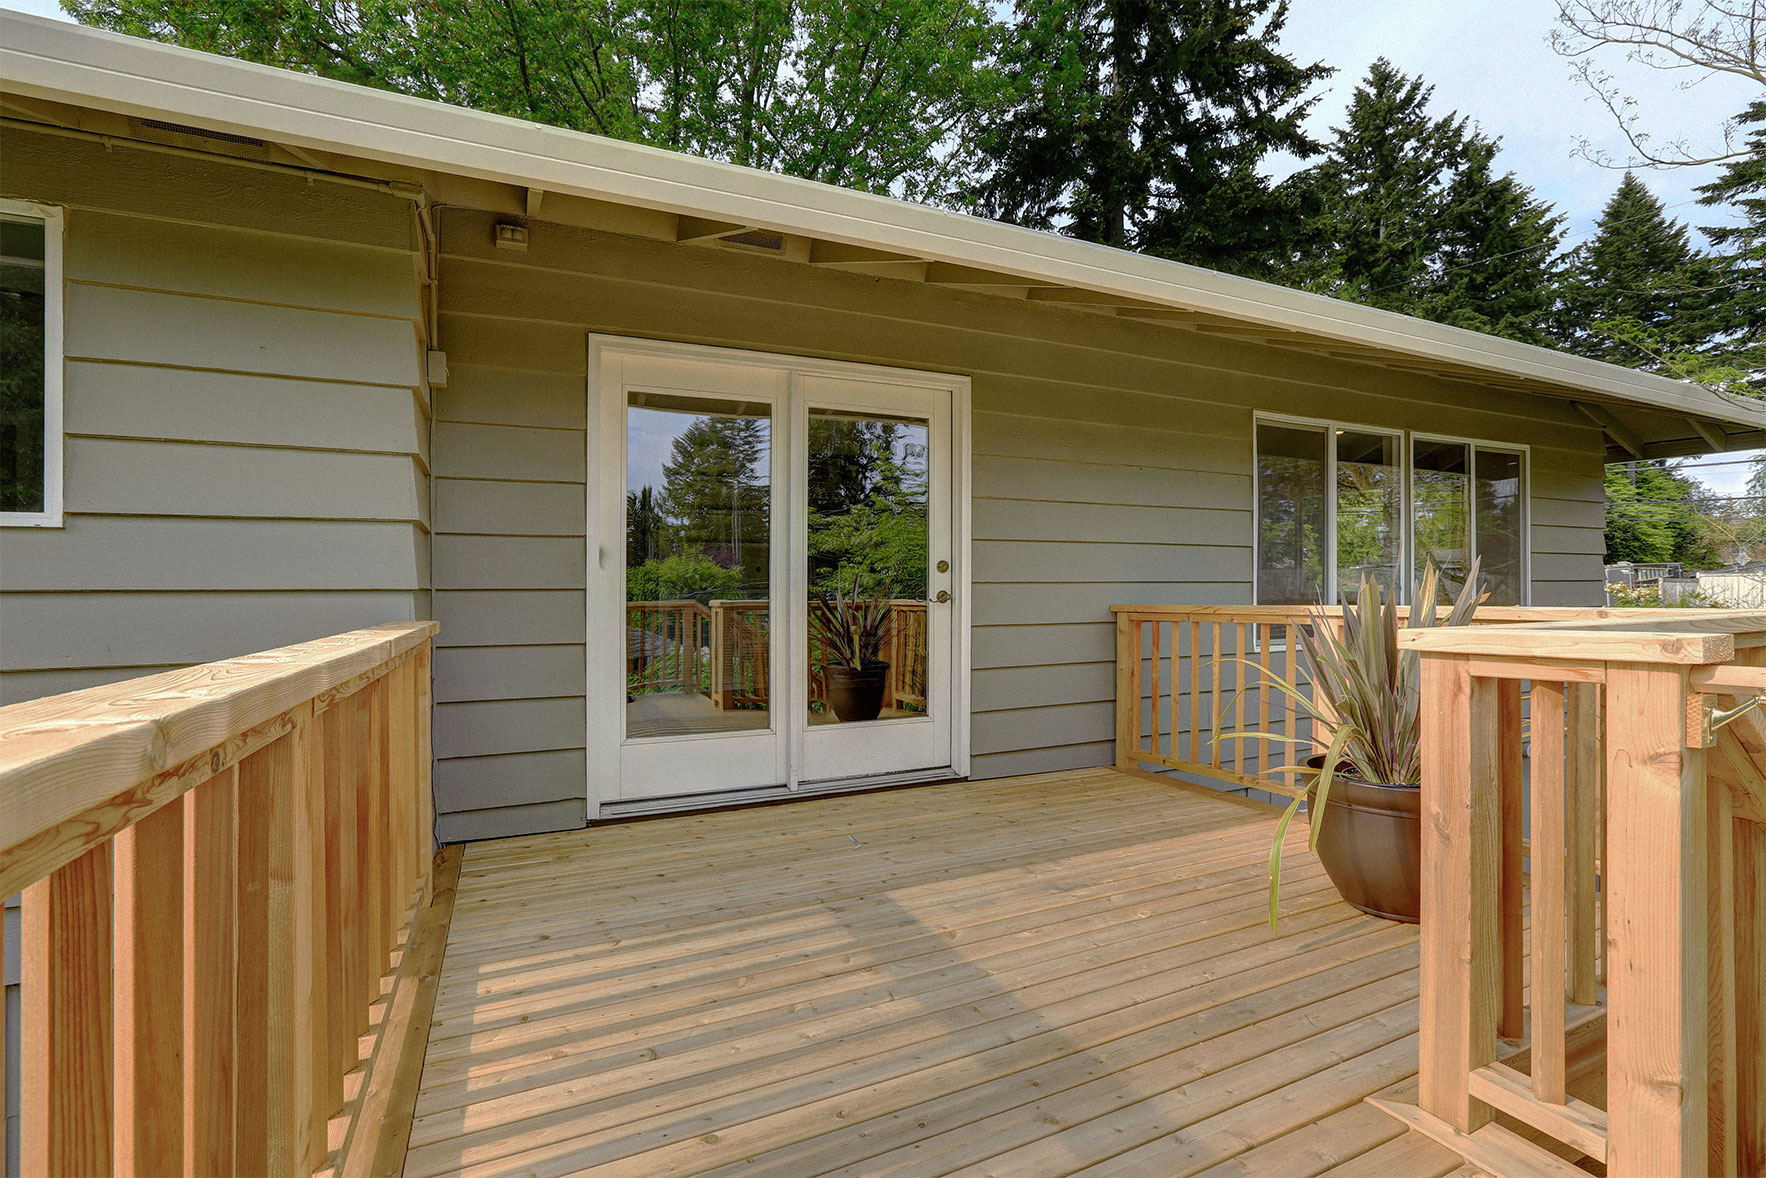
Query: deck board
[1060, 974]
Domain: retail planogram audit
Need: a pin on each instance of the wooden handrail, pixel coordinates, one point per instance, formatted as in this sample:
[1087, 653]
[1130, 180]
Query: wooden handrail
[220, 866]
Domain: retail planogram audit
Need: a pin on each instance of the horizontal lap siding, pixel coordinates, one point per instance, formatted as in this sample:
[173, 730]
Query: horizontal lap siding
[246, 430]
[1111, 463]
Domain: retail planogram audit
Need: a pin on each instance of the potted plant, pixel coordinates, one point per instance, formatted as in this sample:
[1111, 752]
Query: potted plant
[853, 632]
[1364, 796]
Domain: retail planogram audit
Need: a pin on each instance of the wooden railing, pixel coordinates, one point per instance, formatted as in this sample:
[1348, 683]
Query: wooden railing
[1646, 876]
[220, 868]
[665, 645]
[1179, 670]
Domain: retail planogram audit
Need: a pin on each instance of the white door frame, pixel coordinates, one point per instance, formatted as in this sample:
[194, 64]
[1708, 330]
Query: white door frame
[606, 544]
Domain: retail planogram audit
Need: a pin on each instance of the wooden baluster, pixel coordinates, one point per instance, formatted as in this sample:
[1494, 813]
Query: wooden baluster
[1583, 756]
[1510, 770]
[359, 762]
[421, 725]
[1240, 650]
[1656, 934]
[1128, 692]
[149, 982]
[1461, 978]
[1154, 704]
[1721, 1063]
[251, 977]
[341, 916]
[720, 657]
[65, 1072]
[384, 887]
[209, 983]
[1291, 709]
[1750, 989]
[1215, 631]
[1268, 754]
[1548, 847]
[1194, 710]
[3, 1021]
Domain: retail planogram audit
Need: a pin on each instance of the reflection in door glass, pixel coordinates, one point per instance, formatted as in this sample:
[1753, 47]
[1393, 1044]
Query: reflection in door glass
[698, 520]
[867, 567]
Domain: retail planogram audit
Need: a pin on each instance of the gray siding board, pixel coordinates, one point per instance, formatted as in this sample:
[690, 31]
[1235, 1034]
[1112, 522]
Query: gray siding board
[470, 673]
[152, 327]
[492, 396]
[1111, 462]
[206, 555]
[483, 727]
[491, 507]
[138, 401]
[509, 562]
[108, 476]
[239, 264]
[523, 617]
[514, 779]
[508, 821]
[97, 630]
[509, 452]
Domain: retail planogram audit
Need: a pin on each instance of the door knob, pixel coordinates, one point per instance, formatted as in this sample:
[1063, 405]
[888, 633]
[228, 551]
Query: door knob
[943, 596]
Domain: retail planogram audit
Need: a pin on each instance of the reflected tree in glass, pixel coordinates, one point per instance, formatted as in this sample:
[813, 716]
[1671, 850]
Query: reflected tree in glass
[1441, 510]
[1370, 509]
[1499, 524]
[1291, 495]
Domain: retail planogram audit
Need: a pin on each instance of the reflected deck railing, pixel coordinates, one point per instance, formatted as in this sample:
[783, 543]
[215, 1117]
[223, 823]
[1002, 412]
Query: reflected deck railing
[220, 870]
[720, 649]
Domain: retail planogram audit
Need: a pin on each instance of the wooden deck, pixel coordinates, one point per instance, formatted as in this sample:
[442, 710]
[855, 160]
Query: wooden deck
[1043, 976]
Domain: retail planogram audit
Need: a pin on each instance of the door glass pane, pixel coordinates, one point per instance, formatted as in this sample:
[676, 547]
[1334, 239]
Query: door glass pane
[1370, 509]
[698, 520]
[1440, 495]
[1290, 515]
[868, 552]
[1499, 525]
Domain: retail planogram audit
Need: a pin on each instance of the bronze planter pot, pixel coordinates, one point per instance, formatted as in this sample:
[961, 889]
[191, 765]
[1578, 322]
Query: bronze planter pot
[856, 695]
[1371, 845]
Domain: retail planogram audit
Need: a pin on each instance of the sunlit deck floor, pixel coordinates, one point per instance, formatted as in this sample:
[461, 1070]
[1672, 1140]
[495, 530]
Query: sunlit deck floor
[1048, 975]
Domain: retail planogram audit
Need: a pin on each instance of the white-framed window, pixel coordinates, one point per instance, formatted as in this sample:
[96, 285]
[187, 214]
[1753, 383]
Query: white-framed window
[30, 365]
[1338, 501]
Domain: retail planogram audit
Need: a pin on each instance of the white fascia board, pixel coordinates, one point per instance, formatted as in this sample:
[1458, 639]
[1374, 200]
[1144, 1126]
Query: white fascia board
[69, 63]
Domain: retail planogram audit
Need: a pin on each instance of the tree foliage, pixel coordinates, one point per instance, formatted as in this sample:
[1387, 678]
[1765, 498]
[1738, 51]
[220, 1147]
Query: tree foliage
[872, 96]
[1142, 123]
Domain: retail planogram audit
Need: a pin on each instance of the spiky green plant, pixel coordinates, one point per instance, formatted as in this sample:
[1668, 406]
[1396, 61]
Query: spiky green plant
[854, 630]
[1366, 698]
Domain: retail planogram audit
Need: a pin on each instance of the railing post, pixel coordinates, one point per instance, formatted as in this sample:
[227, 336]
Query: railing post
[1461, 965]
[720, 656]
[1656, 932]
[1128, 691]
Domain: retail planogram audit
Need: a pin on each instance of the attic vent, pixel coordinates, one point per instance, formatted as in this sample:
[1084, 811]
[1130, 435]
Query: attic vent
[200, 133]
[759, 238]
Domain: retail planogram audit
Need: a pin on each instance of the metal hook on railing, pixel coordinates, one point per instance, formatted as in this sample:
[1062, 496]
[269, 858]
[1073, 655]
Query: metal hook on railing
[1719, 719]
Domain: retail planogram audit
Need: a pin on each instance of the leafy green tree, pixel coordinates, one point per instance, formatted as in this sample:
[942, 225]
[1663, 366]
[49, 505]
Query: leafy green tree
[1414, 218]
[682, 576]
[871, 96]
[867, 507]
[1655, 515]
[1141, 123]
[646, 528]
[21, 366]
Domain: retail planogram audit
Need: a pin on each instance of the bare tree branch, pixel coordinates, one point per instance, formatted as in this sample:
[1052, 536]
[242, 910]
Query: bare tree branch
[1709, 37]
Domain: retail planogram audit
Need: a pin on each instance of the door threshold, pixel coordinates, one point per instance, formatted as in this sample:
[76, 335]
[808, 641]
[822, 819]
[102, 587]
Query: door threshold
[687, 803]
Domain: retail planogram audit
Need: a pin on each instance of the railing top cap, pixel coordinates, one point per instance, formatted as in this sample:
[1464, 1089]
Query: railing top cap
[1690, 637]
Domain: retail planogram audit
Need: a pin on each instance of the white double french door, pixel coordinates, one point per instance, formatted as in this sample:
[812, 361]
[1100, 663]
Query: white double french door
[777, 573]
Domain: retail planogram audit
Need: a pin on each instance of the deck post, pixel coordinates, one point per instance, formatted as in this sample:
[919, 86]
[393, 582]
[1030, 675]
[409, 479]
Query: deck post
[1656, 929]
[1128, 695]
[1460, 935]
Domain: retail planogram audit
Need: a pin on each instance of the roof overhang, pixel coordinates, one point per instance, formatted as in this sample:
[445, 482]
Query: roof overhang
[1644, 415]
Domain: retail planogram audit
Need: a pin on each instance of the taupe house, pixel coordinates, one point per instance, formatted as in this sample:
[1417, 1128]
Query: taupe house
[318, 357]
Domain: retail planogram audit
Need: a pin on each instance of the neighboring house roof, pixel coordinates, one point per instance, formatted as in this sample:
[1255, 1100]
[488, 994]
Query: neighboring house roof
[61, 62]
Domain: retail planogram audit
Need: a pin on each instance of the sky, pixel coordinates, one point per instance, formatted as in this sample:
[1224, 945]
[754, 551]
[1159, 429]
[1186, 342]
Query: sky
[1490, 59]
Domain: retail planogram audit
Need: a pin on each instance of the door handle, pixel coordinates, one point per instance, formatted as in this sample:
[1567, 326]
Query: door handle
[943, 596]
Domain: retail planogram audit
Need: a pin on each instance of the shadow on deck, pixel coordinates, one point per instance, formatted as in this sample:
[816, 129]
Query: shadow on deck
[1046, 975]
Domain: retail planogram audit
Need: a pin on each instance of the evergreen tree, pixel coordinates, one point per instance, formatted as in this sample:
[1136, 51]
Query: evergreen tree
[714, 491]
[1739, 272]
[1414, 217]
[1141, 123]
[1637, 289]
